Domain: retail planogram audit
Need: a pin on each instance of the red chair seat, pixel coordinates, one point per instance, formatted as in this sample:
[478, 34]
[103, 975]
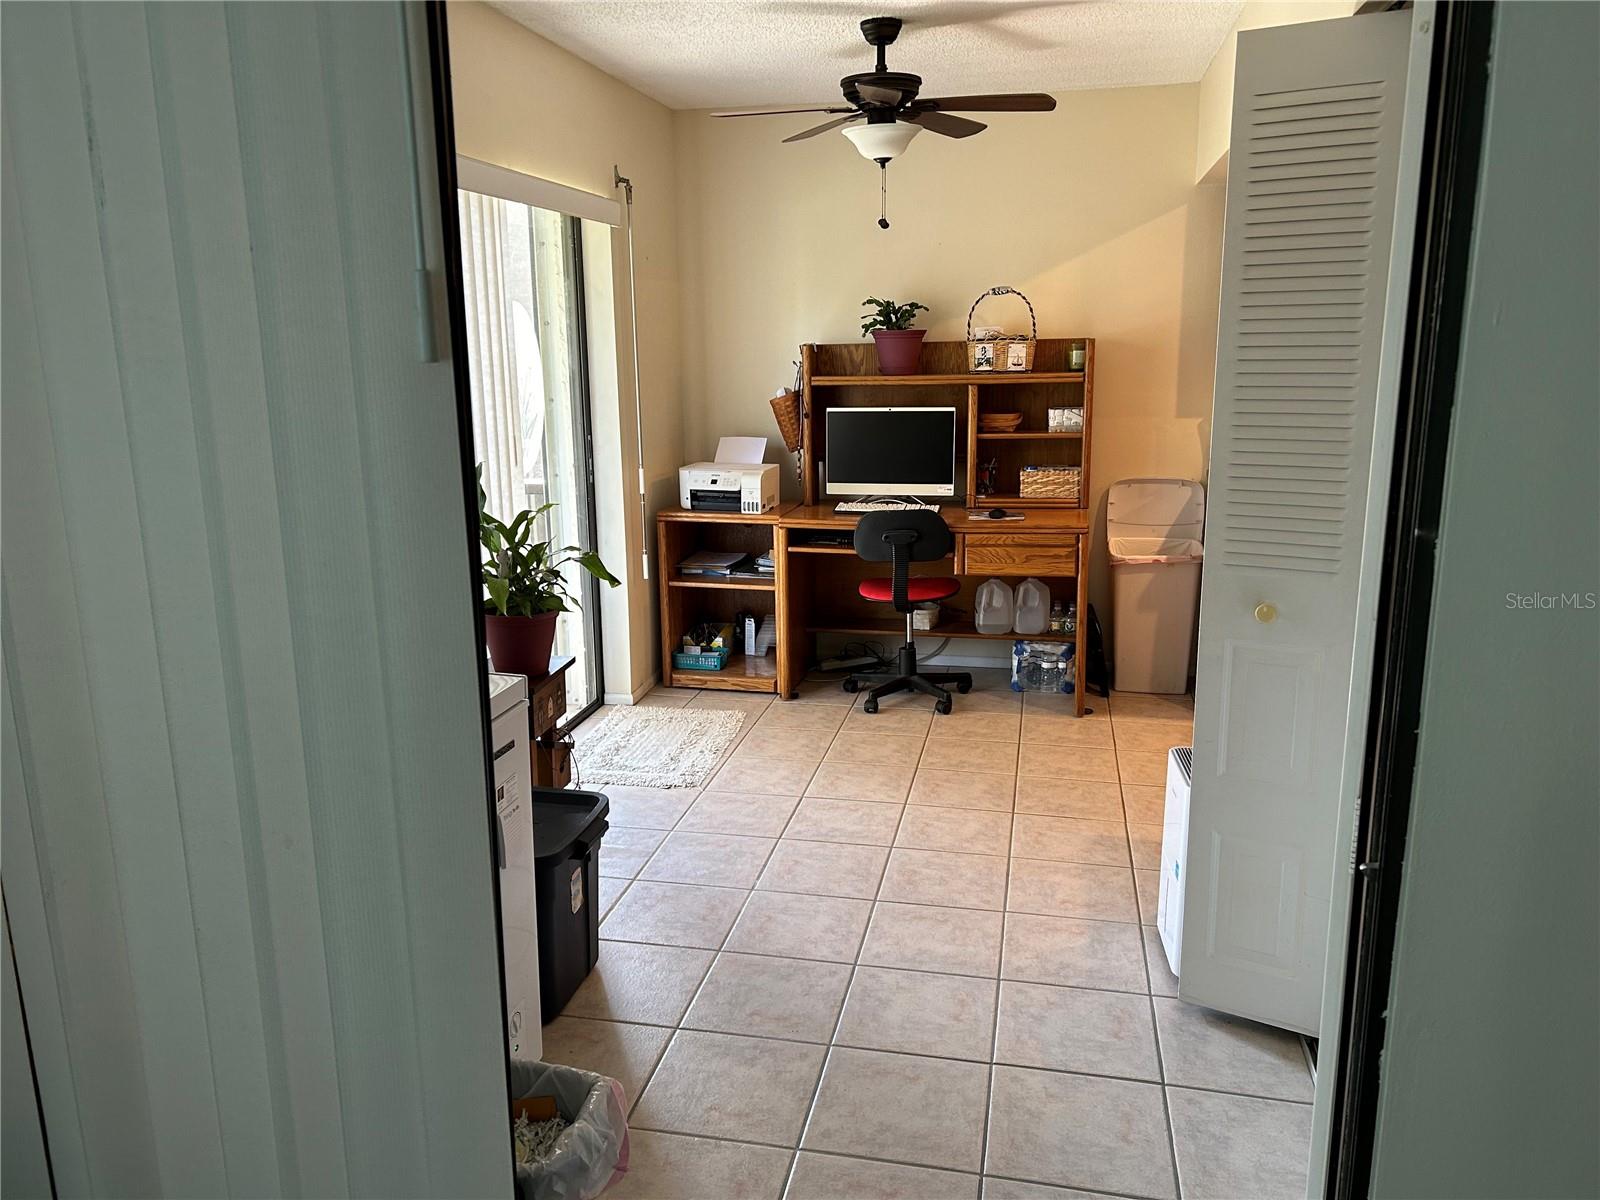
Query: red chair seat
[916, 589]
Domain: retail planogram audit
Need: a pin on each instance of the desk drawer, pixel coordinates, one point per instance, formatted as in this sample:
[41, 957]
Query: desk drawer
[1019, 554]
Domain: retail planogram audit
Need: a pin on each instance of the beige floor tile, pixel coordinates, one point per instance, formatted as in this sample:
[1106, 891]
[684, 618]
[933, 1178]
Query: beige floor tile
[824, 869]
[1068, 951]
[610, 891]
[763, 776]
[1162, 981]
[1068, 762]
[669, 697]
[1146, 842]
[668, 1166]
[1143, 802]
[752, 704]
[960, 754]
[823, 691]
[999, 699]
[993, 681]
[1062, 702]
[1081, 1131]
[1148, 886]
[995, 1188]
[1058, 889]
[624, 1052]
[961, 830]
[720, 1085]
[761, 996]
[799, 745]
[1068, 839]
[647, 808]
[717, 859]
[674, 914]
[822, 718]
[834, 1177]
[962, 789]
[899, 722]
[1148, 767]
[1232, 1146]
[1148, 706]
[1075, 1029]
[822, 819]
[942, 878]
[1206, 1049]
[884, 783]
[926, 1111]
[875, 749]
[624, 850]
[634, 981]
[796, 926]
[1065, 729]
[743, 813]
[979, 725]
[1158, 736]
[1084, 799]
[916, 1012]
[958, 940]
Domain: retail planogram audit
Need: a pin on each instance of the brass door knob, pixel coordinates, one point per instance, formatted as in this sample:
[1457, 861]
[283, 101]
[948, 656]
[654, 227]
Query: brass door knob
[1266, 613]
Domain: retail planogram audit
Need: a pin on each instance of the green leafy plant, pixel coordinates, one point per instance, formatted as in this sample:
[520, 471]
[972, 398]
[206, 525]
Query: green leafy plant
[889, 315]
[522, 576]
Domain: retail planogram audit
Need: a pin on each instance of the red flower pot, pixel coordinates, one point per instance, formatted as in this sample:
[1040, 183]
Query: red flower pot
[521, 645]
[899, 350]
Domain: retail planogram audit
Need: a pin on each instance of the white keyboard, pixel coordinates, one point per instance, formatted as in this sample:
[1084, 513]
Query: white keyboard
[866, 506]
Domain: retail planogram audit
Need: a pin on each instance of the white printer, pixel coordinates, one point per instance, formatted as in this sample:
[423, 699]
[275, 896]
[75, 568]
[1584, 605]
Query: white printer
[738, 481]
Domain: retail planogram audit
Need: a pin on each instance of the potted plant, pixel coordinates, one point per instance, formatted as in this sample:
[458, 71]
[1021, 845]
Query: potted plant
[525, 590]
[899, 345]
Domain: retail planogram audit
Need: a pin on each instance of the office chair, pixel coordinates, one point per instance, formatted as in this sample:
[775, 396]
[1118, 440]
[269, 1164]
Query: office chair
[902, 538]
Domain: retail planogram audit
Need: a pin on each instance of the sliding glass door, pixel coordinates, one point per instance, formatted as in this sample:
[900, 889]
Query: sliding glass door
[523, 275]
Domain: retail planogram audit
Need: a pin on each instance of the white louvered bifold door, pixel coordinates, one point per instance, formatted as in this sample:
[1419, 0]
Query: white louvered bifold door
[1312, 176]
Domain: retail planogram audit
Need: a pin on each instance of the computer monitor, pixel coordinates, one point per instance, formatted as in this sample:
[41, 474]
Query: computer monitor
[891, 451]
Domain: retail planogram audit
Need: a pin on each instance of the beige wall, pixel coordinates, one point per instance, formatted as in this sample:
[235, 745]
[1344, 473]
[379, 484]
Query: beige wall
[524, 103]
[1092, 211]
[1216, 85]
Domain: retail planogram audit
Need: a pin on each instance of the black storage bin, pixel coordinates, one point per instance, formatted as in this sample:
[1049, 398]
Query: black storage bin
[567, 828]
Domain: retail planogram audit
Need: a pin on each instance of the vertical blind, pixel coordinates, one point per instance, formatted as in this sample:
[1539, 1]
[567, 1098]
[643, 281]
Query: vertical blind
[246, 860]
[492, 351]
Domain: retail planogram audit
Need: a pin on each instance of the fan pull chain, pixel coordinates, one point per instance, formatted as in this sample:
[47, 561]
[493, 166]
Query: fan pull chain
[883, 194]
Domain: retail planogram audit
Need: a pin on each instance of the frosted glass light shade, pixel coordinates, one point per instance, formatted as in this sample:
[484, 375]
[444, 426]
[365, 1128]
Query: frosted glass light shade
[882, 141]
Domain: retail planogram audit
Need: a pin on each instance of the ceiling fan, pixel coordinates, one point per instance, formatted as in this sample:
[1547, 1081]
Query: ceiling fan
[883, 110]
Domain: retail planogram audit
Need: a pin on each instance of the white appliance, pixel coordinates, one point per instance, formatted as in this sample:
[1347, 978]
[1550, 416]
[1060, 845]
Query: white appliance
[513, 797]
[728, 487]
[1174, 846]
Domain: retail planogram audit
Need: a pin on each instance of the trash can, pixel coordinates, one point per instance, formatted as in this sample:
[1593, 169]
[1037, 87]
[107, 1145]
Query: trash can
[567, 828]
[569, 1131]
[1154, 532]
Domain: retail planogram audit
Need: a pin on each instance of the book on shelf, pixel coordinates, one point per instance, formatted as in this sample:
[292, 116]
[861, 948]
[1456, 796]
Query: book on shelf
[713, 563]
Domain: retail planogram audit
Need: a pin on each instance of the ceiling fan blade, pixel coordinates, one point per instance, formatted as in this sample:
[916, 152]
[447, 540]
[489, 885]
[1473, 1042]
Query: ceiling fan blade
[783, 112]
[824, 127]
[950, 126]
[1012, 102]
[878, 95]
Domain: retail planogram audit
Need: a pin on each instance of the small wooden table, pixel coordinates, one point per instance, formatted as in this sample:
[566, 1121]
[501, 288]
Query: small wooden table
[547, 704]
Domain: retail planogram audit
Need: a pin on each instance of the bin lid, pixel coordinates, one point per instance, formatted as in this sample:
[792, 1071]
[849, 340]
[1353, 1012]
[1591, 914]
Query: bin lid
[1154, 549]
[1156, 508]
[561, 818]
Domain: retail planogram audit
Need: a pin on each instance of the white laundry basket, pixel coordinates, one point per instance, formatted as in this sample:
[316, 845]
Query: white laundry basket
[1154, 529]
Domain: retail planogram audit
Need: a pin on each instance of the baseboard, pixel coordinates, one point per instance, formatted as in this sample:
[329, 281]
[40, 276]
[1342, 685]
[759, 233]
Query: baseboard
[633, 697]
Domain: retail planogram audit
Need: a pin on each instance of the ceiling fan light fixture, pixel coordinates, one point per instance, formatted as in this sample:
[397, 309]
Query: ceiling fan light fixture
[882, 141]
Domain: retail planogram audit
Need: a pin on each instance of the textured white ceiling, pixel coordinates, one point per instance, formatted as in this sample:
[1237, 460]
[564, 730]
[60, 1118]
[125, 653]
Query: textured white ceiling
[738, 53]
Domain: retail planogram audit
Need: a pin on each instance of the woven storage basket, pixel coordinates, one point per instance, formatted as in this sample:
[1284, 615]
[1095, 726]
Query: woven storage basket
[1001, 346]
[1049, 483]
[786, 409]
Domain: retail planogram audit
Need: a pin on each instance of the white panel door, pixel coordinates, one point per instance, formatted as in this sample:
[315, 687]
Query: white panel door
[1306, 259]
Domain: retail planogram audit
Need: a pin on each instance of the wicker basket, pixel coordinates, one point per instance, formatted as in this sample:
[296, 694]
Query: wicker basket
[786, 409]
[1049, 483]
[998, 350]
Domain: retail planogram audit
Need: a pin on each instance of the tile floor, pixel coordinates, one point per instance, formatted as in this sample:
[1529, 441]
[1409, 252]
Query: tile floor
[909, 956]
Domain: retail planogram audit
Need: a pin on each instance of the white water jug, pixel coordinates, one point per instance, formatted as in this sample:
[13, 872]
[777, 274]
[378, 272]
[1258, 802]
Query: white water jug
[1032, 608]
[992, 608]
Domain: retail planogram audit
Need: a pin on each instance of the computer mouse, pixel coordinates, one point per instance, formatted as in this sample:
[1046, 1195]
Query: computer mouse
[997, 514]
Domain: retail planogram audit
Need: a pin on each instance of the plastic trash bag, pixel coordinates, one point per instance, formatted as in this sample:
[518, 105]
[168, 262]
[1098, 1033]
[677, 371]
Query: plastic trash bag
[593, 1151]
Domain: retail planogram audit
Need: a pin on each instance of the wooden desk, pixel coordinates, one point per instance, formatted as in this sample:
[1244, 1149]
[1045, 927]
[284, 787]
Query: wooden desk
[818, 582]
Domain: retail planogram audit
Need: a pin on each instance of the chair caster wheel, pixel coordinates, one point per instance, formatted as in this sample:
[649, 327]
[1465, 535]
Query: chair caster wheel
[851, 685]
[943, 706]
[963, 688]
[869, 705]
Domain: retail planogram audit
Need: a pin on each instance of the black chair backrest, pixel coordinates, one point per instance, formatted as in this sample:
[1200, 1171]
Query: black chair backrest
[921, 535]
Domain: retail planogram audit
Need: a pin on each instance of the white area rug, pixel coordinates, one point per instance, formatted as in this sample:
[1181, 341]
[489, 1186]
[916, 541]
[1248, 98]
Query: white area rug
[657, 747]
